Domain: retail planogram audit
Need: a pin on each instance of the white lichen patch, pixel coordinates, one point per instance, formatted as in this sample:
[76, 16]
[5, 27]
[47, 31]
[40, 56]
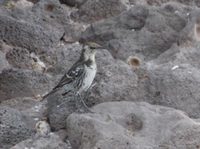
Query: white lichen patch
[37, 64]
[42, 128]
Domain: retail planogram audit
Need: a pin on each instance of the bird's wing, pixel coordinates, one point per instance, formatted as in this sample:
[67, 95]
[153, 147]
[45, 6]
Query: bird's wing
[75, 71]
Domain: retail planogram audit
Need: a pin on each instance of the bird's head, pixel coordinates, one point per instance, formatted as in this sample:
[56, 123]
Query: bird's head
[89, 50]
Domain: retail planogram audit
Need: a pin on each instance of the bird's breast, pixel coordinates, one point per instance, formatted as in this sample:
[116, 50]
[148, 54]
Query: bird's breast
[90, 73]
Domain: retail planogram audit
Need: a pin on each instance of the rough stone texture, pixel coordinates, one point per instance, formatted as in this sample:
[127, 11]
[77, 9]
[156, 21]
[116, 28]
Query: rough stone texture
[24, 34]
[24, 59]
[37, 28]
[115, 80]
[91, 10]
[60, 59]
[191, 31]
[160, 2]
[177, 88]
[73, 3]
[19, 58]
[51, 142]
[3, 62]
[173, 79]
[133, 126]
[22, 83]
[28, 106]
[13, 127]
[159, 41]
[59, 108]
[141, 31]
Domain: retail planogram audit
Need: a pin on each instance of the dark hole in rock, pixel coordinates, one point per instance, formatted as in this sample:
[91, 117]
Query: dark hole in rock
[33, 1]
[49, 7]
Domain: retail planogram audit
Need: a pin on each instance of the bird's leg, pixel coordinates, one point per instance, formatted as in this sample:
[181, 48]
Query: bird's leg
[86, 94]
[64, 94]
[85, 106]
[63, 103]
[88, 91]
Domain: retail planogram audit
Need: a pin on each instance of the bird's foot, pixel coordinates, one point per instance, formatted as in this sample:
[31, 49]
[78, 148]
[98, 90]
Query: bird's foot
[86, 108]
[64, 102]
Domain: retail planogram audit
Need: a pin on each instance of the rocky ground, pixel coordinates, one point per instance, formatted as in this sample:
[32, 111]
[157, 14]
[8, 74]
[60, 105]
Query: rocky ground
[146, 94]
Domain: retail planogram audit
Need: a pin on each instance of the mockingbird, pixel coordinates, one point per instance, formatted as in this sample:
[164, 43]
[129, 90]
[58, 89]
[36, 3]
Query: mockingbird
[81, 75]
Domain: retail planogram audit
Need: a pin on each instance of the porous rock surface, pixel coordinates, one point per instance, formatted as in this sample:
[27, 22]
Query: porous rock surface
[151, 54]
[53, 141]
[14, 127]
[131, 125]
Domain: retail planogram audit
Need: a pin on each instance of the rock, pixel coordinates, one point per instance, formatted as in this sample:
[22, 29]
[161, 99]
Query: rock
[42, 129]
[73, 3]
[14, 127]
[61, 59]
[151, 54]
[19, 58]
[23, 4]
[173, 79]
[91, 11]
[47, 17]
[140, 31]
[51, 142]
[22, 83]
[158, 2]
[30, 107]
[115, 80]
[23, 34]
[59, 108]
[24, 59]
[33, 1]
[3, 62]
[132, 126]
[173, 76]
[53, 16]
[191, 31]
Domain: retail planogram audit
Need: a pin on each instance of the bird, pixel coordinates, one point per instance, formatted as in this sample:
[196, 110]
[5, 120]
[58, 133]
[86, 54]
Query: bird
[80, 76]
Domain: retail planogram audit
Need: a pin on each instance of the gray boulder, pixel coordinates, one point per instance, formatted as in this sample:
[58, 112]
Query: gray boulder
[91, 11]
[53, 141]
[3, 62]
[73, 3]
[60, 61]
[116, 125]
[13, 127]
[173, 79]
[38, 27]
[59, 108]
[115, 80]
[158, 2]
[30, 107]
[140, 31]
[175, 86]
[22, 83]
[19, 58]
[26, 35]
